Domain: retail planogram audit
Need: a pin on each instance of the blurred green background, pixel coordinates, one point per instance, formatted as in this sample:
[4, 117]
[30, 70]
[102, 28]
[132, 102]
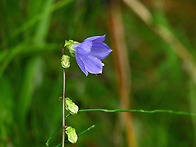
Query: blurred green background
[159, 38]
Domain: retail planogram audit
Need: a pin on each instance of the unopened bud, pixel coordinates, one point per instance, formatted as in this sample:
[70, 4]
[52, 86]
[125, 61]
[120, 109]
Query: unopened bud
[71, 106]
[65, 61]
[71, 133]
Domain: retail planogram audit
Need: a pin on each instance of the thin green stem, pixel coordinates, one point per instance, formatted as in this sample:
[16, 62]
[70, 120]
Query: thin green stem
[67, 115]
[140, 111]
[47, 143]
[129, 110]
[58, 145]
[88, 129]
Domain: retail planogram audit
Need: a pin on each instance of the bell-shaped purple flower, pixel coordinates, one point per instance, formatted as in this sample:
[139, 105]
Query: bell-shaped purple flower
[89, 54]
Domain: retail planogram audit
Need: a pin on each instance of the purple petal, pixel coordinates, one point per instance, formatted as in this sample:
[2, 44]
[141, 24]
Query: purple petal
[81, 52]
[74, 46]
[81, 64]
[93, 65]
[86, 45]
[100, 50]
[96, 38]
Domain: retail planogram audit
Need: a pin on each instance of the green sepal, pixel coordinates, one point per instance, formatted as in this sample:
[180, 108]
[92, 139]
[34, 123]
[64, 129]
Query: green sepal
[71, 106]
[71, 134]
[65, 61]
[69, 45]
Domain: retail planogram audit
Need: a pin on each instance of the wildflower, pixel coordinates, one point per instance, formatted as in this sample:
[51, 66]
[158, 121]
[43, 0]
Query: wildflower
[89, 53]
[71, 133]
[71, 106]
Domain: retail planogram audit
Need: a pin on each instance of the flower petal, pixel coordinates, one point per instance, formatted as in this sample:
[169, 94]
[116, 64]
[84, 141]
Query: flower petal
[100, 50]
[81, 64]
[93, 65]
[81, 52]
[86, 45]
[74, 46]
[96, 38]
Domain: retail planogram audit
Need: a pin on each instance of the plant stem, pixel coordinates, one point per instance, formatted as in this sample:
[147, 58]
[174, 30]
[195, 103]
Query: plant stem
[63, 104]
[140, 111]
[47, 142]
[88, 129]
[125, 110]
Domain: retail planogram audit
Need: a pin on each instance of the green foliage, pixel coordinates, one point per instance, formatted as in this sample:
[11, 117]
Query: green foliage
[32, 34]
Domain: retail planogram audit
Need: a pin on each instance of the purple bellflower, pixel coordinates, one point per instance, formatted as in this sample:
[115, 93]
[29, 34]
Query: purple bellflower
[89, 54]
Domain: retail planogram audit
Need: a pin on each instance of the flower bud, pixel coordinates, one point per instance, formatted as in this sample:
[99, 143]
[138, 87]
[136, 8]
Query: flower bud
[65, 61]
[71, 133]
[71, 45]
[71, 106]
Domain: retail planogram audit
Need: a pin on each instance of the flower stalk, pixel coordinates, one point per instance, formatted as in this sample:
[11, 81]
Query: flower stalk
[63, 104]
